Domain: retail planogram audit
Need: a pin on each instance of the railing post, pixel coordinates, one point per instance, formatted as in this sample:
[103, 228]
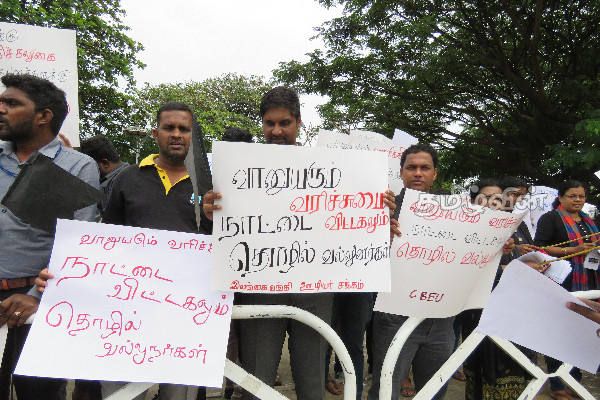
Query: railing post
[251, 383]
[391, 357]
[440, 378]
[129, 391]
[277, 311]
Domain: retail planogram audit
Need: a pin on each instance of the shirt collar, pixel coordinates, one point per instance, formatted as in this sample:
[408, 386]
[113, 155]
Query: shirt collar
[148, 161]
[6, 147]
[51, 148]
[48, 150]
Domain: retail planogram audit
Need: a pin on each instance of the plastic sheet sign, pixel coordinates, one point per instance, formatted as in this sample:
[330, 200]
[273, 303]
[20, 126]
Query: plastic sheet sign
[298, 219]
[129, 304]
[372, 141]
[48, 53]
[447, 257]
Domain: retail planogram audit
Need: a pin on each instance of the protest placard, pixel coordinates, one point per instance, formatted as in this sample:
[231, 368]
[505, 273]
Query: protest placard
[371, 141]
[400, 142]
[540, 201]
[525, 307]
[48, 53]
[447, 257]
[298, 219]
[403, 139]
[369, 135]
[129, 304]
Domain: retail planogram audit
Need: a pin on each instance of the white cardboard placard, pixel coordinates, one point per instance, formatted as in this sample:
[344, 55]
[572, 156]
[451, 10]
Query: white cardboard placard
[371, 141]
[447, 257]
[299, 220]
[48, 53]
[129, 304]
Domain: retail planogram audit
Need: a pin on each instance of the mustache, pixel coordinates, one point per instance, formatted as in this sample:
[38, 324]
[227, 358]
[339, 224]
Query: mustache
[176, 141]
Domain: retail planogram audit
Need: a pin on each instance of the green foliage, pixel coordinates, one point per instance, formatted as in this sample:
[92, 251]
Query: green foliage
[501, 87]
[228, 100]
[106, 56]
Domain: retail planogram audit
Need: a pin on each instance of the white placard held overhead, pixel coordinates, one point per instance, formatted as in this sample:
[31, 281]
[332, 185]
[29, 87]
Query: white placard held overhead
[447, 257]
[529, 309]
[129, 304]
[403, 139]
[48, 53]
[370, 135]
[370, 141]
[540, 202]
[298, 219]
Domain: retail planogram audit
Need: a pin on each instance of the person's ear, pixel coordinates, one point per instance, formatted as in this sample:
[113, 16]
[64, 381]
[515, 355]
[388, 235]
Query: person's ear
[104, 164]
[44, 116]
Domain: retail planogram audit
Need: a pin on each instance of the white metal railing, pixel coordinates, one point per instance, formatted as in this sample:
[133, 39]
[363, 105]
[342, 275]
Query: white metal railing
[248, 381]
[464, 350]
[265, 392]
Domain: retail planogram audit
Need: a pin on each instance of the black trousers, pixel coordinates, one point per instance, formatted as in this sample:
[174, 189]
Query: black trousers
[26, 387]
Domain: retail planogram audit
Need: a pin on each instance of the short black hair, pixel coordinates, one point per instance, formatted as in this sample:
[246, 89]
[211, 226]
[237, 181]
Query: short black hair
[513, 182]
[44, 94]
[235, 134]
[173, 106]
[417, 148]
[281, 97]
[563, 187]
[475, 188]
[100, 147]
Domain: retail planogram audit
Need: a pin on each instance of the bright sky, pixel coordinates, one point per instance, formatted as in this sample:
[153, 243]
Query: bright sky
[191, 40]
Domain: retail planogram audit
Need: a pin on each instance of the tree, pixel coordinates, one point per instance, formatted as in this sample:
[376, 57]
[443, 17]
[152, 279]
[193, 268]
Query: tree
[106, 56]
[502, 87]
[228, 100]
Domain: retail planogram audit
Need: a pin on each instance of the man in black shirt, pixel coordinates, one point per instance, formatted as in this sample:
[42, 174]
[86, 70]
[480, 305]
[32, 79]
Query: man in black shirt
[158, 194]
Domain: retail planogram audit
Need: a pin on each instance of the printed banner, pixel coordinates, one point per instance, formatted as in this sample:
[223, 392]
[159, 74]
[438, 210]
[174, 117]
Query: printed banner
[447, 257]
[298, 219]
[48, 53]
[129, 304]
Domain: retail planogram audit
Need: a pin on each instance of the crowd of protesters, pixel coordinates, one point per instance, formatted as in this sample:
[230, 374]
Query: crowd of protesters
[156, 193]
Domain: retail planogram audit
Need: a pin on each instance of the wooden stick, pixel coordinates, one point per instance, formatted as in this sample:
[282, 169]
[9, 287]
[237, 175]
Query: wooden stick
[574, 240]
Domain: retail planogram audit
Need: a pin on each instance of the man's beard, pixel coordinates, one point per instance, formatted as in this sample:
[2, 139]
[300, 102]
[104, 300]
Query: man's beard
[174, 157]
[23, 130]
